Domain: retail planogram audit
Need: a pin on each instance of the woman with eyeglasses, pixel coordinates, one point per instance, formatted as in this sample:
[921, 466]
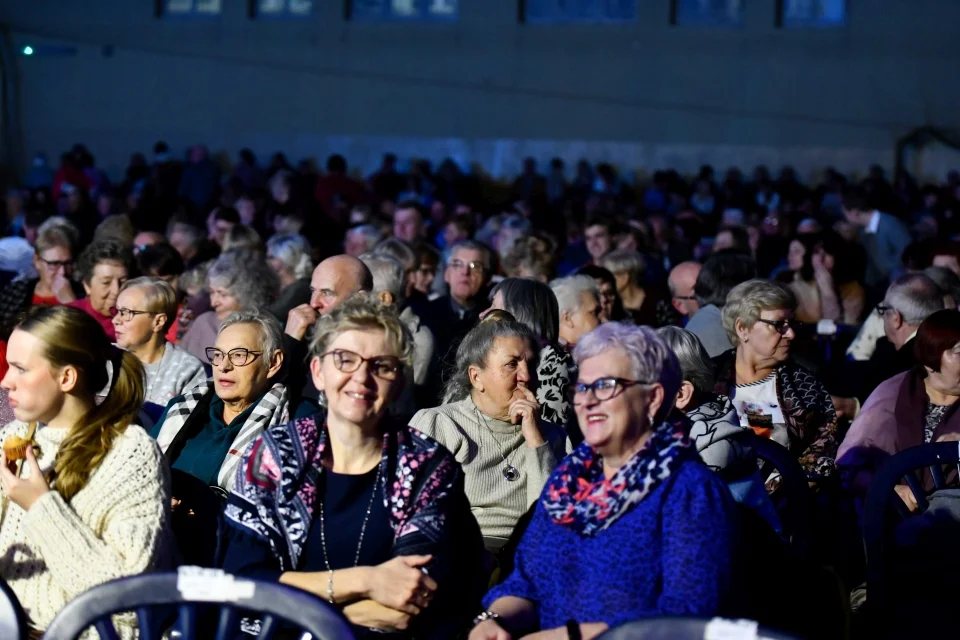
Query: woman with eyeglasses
[490, 420]
[146, 308]
[773, 395]
[205, 430]
[632, 524]
[356, 508]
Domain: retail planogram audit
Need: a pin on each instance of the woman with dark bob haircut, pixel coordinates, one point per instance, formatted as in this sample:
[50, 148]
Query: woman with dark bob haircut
[909, 409]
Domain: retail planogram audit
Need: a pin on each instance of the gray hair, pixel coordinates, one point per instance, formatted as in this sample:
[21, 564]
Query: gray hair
[532, 303]
[914, 296]
[271, 334]
[569, 290]
[624, 261]
[294, 251]
[474, 349]
[652, 359]
[388, 275]
[472, 245]
[397, 248]
[748, 299]
[694, 361]
[247, 276]
[371, 234]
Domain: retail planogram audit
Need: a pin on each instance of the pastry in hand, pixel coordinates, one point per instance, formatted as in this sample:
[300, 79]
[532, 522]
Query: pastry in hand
[15, 448]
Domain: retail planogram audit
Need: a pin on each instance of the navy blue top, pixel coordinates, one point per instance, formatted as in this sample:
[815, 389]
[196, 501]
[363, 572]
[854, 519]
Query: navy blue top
[671, 554]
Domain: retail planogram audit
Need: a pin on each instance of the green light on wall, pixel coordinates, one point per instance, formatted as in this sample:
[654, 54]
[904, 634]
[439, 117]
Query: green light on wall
[28, 51]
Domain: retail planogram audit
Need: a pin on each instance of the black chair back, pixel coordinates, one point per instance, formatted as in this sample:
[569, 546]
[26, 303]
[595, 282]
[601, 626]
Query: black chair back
[13, 621]
[689, 629]
[193, 592]
[792, 497]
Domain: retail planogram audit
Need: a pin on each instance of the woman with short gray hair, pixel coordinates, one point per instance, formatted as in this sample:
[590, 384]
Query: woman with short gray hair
[636, 477]
[490, 420]
[289, 255]
[628, 268]
[205, 430]
[773, 395]
[237, 281]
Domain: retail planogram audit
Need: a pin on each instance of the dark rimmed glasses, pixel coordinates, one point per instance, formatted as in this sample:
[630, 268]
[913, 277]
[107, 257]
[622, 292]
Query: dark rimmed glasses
[239, 357]
[126, 315]
[458, 265]
[883, 307]
[603, 388]
[383, 367]
[782, 326]
[56, 264]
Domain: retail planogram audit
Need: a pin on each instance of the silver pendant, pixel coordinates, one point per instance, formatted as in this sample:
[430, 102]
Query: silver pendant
[511, 473]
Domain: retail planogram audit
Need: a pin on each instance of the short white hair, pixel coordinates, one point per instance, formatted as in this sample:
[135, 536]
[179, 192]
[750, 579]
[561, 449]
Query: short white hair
[388, 275]
[370, 233]
[293, 250]
[570, 290]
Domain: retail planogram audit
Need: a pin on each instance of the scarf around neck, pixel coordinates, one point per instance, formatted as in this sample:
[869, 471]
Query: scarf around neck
[578, 496]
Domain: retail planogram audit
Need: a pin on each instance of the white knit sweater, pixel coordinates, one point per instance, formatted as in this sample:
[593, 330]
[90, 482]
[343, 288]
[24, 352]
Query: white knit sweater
[116, 526]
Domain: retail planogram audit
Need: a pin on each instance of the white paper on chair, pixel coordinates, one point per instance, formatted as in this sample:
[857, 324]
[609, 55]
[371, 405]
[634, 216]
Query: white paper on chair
[212, 585]
[720, 629]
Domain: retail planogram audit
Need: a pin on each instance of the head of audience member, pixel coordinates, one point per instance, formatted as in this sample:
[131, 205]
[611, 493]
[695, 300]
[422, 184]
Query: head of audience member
[336, 279]
[937, 350]
[53, 255]
[246, 209]
[146, 309]
[732, 238]
[103, 267]
[288, 222]
[467, 271]
[627, 268]
[947, 255]
[681, 282]
[408, 222]
[578, 302]
[389, 279]
[857, 207]
[161, 261]
[949, 283]
[910, 299]
[720, 273]
[359, 354]
[145, 239]
[279, 186]
[695, 366]
[459, 227]
[117, 227]
[186, 239]
[527, 257]
[495, 363]
[758, 318]
[361, 239]
[609, 300]
[289, 255]
[429, 261]
[240, 280]
[531, 303]
[220, 222]
[243, 238]
[246, 358]
[406, 256]
[33, 219]
[598, 236]
[628, 379]
[57, 358]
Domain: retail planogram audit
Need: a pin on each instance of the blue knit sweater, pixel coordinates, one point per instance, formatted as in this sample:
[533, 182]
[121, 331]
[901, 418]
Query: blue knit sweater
[670, 555]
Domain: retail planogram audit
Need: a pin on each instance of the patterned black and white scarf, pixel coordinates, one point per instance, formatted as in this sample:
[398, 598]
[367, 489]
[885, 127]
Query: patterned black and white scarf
[272, 409]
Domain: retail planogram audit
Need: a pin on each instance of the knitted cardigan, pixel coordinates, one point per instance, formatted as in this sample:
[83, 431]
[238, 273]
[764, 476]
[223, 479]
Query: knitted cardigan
[116, 526]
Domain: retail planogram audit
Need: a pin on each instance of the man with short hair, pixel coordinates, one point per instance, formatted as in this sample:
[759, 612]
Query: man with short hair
[598, 237]
[884, 237]
[681, 281]
[408, 222]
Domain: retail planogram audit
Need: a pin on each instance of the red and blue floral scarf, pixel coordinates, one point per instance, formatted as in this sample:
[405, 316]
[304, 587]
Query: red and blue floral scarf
[578, 496]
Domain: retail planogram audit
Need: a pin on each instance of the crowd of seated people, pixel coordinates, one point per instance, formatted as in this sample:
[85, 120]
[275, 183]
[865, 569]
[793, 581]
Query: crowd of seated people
[449, 410]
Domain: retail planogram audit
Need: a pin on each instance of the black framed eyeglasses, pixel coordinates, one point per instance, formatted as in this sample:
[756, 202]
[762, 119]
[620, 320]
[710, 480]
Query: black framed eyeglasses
[383, 367]
[883, 307]
[457, 265]
[782, 326]
[127, 315]
[56, 264]
[603, 388]
[239, 357]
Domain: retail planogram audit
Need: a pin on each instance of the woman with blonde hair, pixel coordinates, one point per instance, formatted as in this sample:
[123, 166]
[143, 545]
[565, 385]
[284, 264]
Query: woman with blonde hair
[85, 492]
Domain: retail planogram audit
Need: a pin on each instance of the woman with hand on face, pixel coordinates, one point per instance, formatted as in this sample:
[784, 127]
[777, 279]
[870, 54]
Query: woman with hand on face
[368, 514]
[490, 420]
[90, 501]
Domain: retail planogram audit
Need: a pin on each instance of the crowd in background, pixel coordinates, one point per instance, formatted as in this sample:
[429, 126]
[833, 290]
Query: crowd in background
[494, 386]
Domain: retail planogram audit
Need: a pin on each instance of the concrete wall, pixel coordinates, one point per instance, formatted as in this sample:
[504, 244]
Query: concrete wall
[488, 89]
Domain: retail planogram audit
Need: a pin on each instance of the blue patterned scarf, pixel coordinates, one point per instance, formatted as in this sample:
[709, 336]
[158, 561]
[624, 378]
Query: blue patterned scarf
[578, 496]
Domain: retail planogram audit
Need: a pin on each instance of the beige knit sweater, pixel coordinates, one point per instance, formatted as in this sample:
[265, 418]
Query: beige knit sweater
[480, 444]
[117, 525]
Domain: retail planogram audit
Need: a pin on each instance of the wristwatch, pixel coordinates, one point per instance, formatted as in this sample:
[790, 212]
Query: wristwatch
[486, 615]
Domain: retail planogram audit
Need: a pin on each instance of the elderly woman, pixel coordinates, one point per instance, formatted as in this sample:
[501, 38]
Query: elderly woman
[146, 308]
[774, 396]
[637, 478]
[205, 430]
[53, 261]
[289, 257]
[238, 280]
[370, 515]
[103, 268]
[490, 420]
[909, 409]
[533, 303]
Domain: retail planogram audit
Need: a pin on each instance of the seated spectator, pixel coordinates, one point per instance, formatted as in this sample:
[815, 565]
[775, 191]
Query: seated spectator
[407, 257]
[243, 238]
[681, 282]
[289, 257]
[429, 261]
[635, 478]
[237, 281]
[205, 430]
[361, 541]
[911, 408]
[162, 261]
[53, 261]
[533, 304]
[490, 420]
[732, 238]
[774, 396]
[190, 243]
[146, 308]
[106, 515]
[721, 272]
[610, 304]
[361, 239]
[219, 223]
[949, 283]
[578, 301]
[103, 268]
[824, 289]
[639, 301]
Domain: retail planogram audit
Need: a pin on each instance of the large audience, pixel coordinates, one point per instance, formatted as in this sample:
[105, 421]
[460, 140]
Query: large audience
[451, 407]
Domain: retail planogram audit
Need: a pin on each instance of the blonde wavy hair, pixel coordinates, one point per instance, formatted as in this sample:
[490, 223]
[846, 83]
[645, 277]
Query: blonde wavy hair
[363, 312]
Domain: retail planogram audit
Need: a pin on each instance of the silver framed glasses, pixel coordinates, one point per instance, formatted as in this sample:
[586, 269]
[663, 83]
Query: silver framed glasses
[239, 357]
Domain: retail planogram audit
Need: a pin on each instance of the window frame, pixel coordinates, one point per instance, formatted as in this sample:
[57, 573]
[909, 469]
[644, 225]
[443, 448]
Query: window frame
[254, 12]
[523, 18]
[161, 11]
[388, 17]
[783, 23]
[675, 20]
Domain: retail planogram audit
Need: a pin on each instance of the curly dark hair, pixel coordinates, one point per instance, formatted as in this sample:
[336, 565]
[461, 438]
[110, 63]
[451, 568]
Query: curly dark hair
[105, 251]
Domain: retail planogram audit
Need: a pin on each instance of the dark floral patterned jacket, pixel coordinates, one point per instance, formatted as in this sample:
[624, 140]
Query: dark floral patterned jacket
[807, 408]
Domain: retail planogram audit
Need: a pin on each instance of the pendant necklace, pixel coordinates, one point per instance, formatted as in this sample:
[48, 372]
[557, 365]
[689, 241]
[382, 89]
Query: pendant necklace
[510, 472]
